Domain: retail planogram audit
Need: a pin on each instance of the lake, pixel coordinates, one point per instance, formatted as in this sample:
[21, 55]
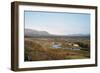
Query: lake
[57, 46]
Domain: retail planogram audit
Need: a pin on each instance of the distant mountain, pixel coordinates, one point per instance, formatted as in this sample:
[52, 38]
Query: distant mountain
[36, 33]
[31, 32]
[79, 35]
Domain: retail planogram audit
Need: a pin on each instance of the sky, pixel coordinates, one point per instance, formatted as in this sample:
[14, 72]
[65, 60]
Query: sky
[59, 23]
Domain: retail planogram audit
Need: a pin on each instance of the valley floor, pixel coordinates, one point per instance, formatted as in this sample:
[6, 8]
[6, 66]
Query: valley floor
[39, 49]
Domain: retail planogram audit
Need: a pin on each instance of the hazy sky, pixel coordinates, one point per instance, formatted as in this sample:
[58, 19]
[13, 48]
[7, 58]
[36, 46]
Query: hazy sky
[58, 23]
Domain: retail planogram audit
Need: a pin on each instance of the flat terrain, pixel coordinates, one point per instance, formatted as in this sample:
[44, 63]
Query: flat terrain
[53, 48]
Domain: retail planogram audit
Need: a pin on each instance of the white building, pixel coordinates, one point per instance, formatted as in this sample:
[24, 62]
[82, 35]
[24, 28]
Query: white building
[76, 45]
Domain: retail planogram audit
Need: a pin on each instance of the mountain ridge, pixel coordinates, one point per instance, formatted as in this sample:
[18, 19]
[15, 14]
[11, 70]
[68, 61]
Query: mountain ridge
[32, 32]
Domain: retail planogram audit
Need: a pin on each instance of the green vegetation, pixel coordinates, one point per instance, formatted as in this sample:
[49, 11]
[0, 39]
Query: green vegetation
[75, 57]
[84, 45]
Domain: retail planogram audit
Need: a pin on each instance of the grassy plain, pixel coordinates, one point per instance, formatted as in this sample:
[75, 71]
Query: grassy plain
[40, 49]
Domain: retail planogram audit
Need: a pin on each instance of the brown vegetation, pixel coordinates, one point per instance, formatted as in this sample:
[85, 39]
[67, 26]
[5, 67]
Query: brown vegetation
[37, 50]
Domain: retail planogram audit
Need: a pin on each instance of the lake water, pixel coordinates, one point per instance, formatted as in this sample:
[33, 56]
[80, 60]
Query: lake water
[76, 48]
[73, 48]
[57, 46]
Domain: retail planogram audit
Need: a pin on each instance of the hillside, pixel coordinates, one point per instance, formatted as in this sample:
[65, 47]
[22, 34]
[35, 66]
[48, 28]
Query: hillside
[31, 32]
